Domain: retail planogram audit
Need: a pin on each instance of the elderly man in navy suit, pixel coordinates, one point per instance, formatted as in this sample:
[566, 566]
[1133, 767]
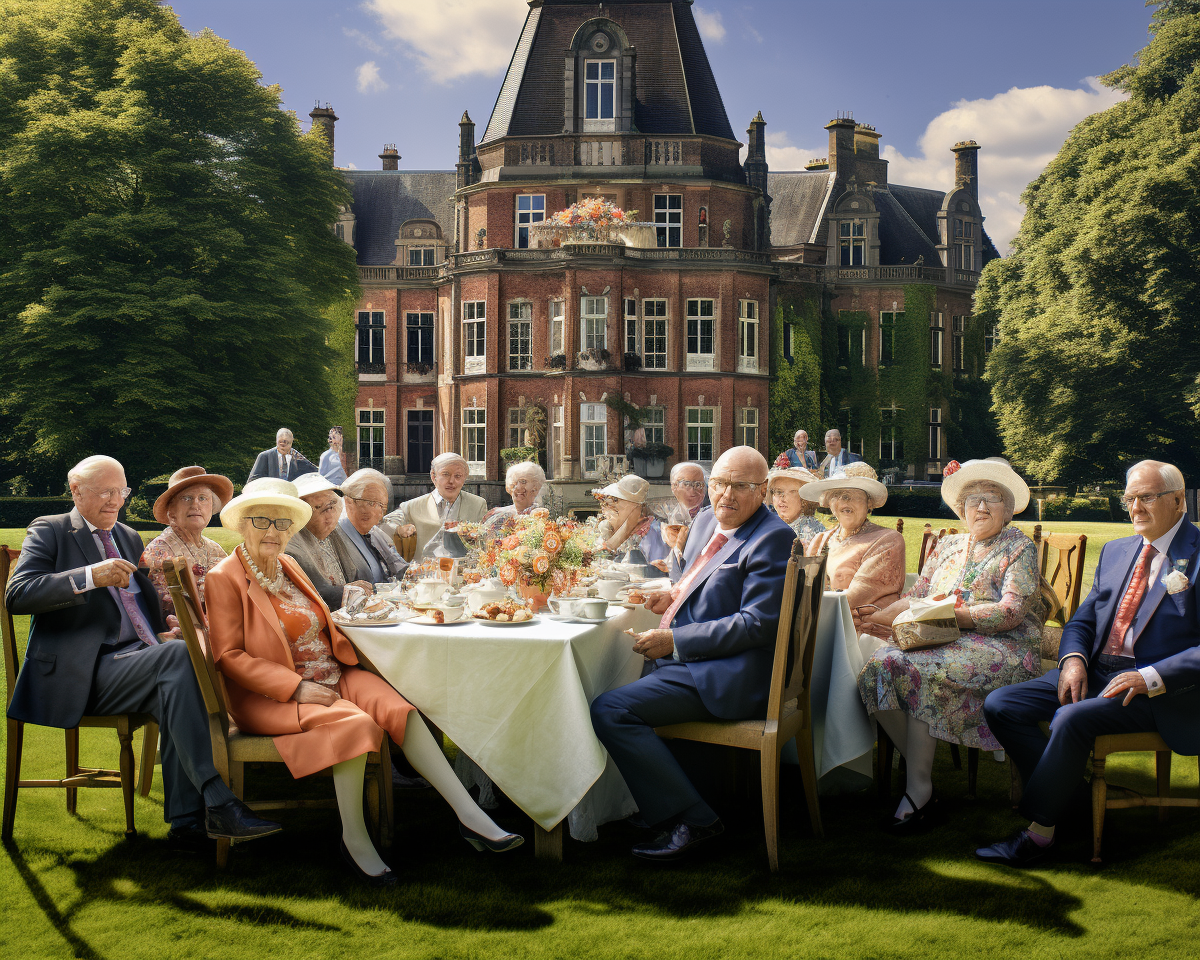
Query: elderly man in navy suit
[1129, 662]
[282, 460]
[711, 655]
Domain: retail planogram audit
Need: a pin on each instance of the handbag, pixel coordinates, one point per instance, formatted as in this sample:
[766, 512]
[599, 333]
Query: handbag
[926, 623]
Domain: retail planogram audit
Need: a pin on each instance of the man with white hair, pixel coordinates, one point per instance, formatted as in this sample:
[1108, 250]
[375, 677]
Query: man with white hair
[424, 516]
[94, 648]
[1128, 662]
[836, 456]
[689, 486]
[282, 461]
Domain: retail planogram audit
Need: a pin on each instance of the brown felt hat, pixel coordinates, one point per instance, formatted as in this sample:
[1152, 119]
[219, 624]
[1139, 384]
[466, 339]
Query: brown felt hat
[186, 477]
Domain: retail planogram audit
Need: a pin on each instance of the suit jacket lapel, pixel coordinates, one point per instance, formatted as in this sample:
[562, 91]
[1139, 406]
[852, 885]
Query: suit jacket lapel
[84, 539]
[352, 536]
[1180, 549]
[718, 558]
[258, 596]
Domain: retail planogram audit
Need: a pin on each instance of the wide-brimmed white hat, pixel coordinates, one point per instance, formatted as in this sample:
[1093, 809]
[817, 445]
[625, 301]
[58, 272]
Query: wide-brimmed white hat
[992, 470]
[801, 475]
[309, 483]
[266, 492]
[630, 487]
[856, 476]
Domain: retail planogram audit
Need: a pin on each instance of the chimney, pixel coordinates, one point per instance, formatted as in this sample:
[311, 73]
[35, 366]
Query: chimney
[324, 118]
[841, 146]
[966, 167]
[390, 157]
[866, 142]
[756, 177]
[466, 151]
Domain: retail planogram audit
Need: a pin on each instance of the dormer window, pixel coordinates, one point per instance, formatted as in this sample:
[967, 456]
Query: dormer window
[964, 243]
[598, 75]
[852, 243]
[600, 85]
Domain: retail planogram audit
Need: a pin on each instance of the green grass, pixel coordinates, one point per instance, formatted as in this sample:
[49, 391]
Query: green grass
[72, 886]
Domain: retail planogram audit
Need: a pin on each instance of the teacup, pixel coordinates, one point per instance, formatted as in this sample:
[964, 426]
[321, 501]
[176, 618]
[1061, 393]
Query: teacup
[594, 609]
[427, 591]
[608, 589]
[566, 606]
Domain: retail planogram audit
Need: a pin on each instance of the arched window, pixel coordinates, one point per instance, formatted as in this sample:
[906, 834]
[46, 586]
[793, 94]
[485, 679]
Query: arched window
[599, 80]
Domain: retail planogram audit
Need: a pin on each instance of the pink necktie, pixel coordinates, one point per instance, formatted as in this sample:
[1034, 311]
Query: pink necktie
[125, 597]
[1129, 603]
[715, 544]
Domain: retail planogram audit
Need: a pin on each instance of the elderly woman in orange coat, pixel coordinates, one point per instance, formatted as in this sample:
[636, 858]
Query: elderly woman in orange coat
[292, 675]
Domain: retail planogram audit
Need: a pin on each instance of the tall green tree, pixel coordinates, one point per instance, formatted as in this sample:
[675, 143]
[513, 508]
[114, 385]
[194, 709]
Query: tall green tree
[1099, 303]
[169, 284]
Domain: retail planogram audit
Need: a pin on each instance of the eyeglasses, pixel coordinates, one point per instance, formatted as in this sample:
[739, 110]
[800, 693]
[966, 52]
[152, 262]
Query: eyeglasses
[119, 493]
[328, 508]
[265, 523]
[696, 485]
[740, 488]
[1146, 498]
[373, 503]
[847, 496]
[977, 500]
[785, 493]
[203, 499]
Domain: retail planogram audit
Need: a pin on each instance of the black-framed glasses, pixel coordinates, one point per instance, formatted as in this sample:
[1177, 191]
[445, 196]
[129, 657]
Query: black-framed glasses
[1146, 498]
[265, 523]
[740, 487]
[374, 503]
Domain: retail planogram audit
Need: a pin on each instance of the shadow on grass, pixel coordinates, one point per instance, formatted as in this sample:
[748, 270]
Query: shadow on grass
[57, 919]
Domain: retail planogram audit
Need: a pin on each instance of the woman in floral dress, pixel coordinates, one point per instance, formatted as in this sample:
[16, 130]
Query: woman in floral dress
[922, 696]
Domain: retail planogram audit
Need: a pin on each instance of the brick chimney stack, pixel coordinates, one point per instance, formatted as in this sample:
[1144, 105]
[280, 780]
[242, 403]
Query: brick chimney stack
[325, 118]
[390, 157]
[841, 146]
[466, 151]
[966, 167]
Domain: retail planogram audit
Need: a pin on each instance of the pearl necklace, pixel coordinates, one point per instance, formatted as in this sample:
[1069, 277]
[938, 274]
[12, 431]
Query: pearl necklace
[274, 584]
[841, 536]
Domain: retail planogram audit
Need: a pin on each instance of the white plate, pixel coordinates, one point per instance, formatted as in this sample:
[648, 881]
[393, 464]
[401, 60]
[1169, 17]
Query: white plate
[561, 618]
[505, 623]
[425, 621]
[370, 623]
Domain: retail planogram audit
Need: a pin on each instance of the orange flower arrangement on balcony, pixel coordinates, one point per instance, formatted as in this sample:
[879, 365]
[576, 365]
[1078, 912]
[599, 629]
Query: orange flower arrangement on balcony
[588, 221]
[532, 550]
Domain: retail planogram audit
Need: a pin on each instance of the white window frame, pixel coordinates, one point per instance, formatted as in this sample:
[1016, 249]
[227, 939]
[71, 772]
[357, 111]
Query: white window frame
[593, 436]
[516, 425]
[373, 420]
[668, 219]
[654, 333]
[474, 321]
[420, 315]
[520, 334]
[852, 243]
[698, 359]
[701, 433]
[748, 427]
[599, 82]
[425, 256]
[558, 327]
[747, 336]
[534, 211]
[474, 439]
[935, 433]
[654, 422]
[593, 323]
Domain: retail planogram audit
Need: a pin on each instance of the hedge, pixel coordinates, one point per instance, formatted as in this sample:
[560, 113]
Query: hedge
[1078, 508]
[21, 511]
[909, 503]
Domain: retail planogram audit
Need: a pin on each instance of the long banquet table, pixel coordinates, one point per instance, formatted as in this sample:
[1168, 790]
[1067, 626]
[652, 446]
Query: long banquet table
[516, 700]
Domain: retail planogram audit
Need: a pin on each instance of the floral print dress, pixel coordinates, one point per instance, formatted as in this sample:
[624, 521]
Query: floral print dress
[170, 544]
[945, 686]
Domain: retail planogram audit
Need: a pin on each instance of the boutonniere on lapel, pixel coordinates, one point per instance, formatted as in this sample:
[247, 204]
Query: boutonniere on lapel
[1176, 581]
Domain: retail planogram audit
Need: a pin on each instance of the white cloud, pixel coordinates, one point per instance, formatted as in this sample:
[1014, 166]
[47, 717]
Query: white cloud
[710, 24]
[362, 40]
[782, 155]
[450, 39]
[1020, 132]
[369, 80]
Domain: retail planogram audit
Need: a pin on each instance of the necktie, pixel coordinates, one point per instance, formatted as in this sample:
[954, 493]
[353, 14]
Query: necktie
[715, 544]
[124, 597]
[1129, 603]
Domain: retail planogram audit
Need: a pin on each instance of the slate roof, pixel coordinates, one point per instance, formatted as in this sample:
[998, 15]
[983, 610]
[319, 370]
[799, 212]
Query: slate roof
[797, 202]
[902, 238]
[676, 92]
[384, 199]
[923, 206]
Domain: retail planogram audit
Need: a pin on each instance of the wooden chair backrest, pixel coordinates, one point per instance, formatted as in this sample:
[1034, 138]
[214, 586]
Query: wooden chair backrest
[8, 559]
[795, 643]
[1041, 545]
[194, 626]
[1063, 568]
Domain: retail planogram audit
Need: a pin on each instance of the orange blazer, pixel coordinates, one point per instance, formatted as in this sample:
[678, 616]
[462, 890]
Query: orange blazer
[251, 650]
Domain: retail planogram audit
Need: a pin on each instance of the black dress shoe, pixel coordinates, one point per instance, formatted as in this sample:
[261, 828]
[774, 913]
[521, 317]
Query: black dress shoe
[233, 820]
[1020, 851]
[386, 879]
[915, 822]
[510, 841]
[678, 841]
[189, 836]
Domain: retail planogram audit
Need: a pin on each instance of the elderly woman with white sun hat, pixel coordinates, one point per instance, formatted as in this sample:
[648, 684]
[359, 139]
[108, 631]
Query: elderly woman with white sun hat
[922, 696]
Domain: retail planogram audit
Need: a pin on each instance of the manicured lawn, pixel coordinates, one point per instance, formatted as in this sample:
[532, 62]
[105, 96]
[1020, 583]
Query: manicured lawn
[72, 886]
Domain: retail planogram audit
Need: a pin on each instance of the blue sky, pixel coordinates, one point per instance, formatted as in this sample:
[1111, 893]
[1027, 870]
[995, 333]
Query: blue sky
[1013, 75]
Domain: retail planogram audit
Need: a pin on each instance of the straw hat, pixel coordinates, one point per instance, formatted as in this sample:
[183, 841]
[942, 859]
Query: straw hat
[186, 477]
[992, 470]
[856, 476]
[265, 492]
[309, 483]
[630, 487]
[801, 475]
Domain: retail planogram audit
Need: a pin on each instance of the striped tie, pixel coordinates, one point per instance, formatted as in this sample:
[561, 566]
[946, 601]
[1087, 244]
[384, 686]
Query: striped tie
[715, 544]
[1130, 602]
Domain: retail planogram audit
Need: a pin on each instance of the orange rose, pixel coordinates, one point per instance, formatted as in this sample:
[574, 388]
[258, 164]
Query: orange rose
[509, 573]
[511, 543]
[541, 563]
[552, 543]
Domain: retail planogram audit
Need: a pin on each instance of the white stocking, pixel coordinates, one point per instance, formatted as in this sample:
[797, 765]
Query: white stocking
[919, 749]
[427, 759]
[348, 785]
[895, 725]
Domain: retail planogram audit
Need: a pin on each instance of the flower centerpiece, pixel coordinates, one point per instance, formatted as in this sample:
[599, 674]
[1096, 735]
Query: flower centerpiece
[593, 220]
[534, 553]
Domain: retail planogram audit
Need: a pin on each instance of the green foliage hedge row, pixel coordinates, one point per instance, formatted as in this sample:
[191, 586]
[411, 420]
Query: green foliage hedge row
[21, 511]
[1080, 508]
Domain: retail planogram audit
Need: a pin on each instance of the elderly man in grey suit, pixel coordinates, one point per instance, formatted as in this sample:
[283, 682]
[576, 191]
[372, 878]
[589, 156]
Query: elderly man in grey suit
[837, 456]
[424, 516]
[94, 648]
[282, 460]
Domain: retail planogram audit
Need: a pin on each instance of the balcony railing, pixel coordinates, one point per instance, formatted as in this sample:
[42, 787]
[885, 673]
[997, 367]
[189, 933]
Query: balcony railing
[396, 274]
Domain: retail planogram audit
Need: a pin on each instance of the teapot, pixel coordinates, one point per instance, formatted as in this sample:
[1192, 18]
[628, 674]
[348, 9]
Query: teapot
[427, 591]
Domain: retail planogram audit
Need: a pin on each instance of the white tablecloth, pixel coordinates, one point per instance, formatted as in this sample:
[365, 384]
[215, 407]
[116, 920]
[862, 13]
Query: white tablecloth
[516, 701]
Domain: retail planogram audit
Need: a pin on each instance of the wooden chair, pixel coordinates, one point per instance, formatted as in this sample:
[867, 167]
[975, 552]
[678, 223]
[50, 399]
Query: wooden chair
[1062, 570]
[76, 776]
[1131, 743]
[928, 539]
[232, 750]
[789, 712]
[405, 546]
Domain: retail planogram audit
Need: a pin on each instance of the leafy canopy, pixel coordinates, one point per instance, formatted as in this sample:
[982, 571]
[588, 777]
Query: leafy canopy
[170, 290]
[1099, 302]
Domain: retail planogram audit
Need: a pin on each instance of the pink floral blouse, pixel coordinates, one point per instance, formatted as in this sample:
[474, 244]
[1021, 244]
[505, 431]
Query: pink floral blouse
[170, 544]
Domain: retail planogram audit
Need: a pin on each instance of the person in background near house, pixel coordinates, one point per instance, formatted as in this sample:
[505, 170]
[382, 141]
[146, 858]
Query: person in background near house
[282, 460]
[331, 460]
[799, 455]
[836, 456]
[423, 516]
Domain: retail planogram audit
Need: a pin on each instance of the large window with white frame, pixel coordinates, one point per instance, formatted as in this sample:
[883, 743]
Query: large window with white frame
[668, 219]
[748, 427]
[370, 327]
[371, 423]
[964, 244]
[701, 433]
[558, 331]
[937, 338]
[593, 439]
[654, 328]
[631, 326]
[419, 330]
[474, 439]
[474, 314]
[701, 335]
[531, 209]
[891, 437]
[654, 422]
[600, 89]
[516, 426]
[520, 336]
[748, 336]
[593, 323]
